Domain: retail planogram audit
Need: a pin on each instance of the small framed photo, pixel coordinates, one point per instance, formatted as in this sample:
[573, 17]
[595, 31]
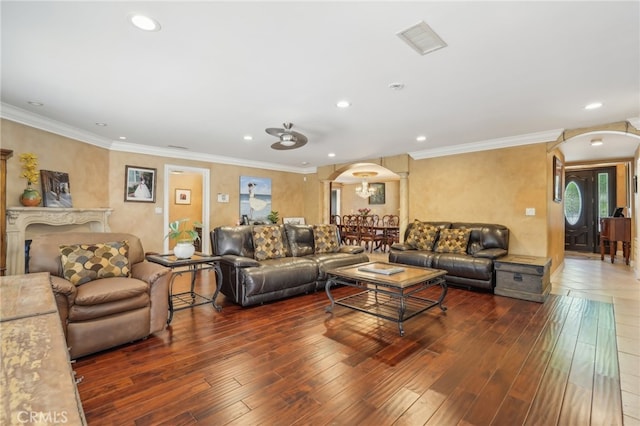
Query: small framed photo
[183, 196]
[56, 191]
[140, 184]
[558, 173]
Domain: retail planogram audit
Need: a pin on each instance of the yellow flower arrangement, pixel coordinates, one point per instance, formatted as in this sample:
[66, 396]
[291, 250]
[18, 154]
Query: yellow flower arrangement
[29, 167]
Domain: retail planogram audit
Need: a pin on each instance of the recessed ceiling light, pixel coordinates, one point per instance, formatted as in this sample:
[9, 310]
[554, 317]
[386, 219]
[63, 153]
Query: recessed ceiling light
[248, 138]
[596, 142]
[101, 124]
[305, 163]
[122, 138]
[343, 104]
[145, 23]
[396, 86]
[35, 103]
[421, 138]
[332, 154]
[593, 105]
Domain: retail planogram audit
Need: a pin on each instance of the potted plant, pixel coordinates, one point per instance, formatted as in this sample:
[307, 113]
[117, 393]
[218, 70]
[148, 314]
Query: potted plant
[30, 196]
[273, 217]
[184, 237]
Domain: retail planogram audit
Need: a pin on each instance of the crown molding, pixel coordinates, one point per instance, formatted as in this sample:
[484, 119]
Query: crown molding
[526, 139]
[198, 156]
[28, 118]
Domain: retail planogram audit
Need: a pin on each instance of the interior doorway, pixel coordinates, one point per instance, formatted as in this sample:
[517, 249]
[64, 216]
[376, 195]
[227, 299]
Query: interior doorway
[186, 195]
[589, 194]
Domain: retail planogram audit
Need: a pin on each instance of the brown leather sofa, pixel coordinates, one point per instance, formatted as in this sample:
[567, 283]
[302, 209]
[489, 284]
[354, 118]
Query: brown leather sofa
[473, 267]
[301, 268]
[104, 312]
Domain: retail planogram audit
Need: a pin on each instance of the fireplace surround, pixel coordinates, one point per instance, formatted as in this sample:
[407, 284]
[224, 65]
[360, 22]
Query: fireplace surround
[20, 218]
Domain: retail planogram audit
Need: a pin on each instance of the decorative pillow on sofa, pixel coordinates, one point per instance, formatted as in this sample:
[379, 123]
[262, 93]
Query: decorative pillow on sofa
[325, 239]
[268, 242]
[453, 241]
[82, 263]
[422, 236]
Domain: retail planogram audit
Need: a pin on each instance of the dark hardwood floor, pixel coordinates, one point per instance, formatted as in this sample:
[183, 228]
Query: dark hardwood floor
[486, 360]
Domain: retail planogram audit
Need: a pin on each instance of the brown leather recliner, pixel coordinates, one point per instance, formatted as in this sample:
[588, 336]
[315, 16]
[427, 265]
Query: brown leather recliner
[104, 312]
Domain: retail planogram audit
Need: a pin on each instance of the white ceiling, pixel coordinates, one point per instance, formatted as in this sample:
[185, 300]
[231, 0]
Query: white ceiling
[512, 72]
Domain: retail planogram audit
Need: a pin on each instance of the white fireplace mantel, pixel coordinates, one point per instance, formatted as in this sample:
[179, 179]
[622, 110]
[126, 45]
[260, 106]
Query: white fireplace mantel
[19, 218]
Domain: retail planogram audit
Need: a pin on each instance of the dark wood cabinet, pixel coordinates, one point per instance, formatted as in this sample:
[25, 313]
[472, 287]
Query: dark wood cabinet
[612, 231]
[4, 155]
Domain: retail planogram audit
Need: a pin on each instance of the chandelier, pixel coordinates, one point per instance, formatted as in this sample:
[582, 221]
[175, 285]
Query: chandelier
[364, 190]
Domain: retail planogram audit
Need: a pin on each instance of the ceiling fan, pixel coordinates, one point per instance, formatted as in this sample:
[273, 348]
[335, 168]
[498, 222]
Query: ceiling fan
[289, 139]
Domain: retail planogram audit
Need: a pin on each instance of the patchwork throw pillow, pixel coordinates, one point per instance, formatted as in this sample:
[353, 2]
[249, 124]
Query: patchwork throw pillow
[268, 242]
[422, 236]
[453, 241]
[82, 263]
[325, 238]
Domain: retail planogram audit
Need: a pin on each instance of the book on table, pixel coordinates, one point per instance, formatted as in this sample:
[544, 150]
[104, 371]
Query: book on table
[381, 269]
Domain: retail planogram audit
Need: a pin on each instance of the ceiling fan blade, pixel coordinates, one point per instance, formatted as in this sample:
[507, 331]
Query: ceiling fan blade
[282, 147]
[274, 131]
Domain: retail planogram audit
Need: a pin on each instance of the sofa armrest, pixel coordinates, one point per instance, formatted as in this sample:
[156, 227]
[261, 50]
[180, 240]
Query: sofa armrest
[492, 253]
[401, 247]
[240, 261]
[351, 249]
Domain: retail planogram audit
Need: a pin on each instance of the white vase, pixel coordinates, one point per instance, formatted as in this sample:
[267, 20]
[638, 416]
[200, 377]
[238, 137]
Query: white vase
[184, 250]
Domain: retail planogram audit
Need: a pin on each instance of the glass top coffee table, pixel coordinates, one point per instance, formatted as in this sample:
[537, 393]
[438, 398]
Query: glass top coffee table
[389, 290]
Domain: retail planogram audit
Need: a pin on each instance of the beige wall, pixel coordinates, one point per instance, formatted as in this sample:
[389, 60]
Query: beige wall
[494, 186]
[555, 215]
[87, 165]
[97, 179]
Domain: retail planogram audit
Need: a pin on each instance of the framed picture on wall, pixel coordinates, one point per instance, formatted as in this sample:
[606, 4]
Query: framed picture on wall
[557, 179]
[183, 196]
[140, 184]
[56, 191]
[379, 196]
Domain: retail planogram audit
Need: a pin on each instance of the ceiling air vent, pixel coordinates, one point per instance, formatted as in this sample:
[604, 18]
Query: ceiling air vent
[422, 38]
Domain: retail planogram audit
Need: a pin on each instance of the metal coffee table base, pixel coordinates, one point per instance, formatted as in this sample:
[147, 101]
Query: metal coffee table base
[393, 304]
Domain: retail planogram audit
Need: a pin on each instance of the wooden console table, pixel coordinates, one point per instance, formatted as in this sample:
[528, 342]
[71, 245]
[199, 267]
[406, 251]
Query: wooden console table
[614, 229]
[37, 382]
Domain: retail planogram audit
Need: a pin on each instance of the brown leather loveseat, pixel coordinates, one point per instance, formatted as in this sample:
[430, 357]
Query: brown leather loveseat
[467, 251]
[99, 310]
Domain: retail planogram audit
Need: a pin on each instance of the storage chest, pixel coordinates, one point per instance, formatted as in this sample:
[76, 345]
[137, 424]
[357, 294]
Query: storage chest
[523, 277]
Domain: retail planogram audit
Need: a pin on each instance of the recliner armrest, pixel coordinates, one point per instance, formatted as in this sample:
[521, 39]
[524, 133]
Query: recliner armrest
[148, 272]
[401, 247]
[351, 249]
[492, 253]
[240, 261]
[64, 287]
